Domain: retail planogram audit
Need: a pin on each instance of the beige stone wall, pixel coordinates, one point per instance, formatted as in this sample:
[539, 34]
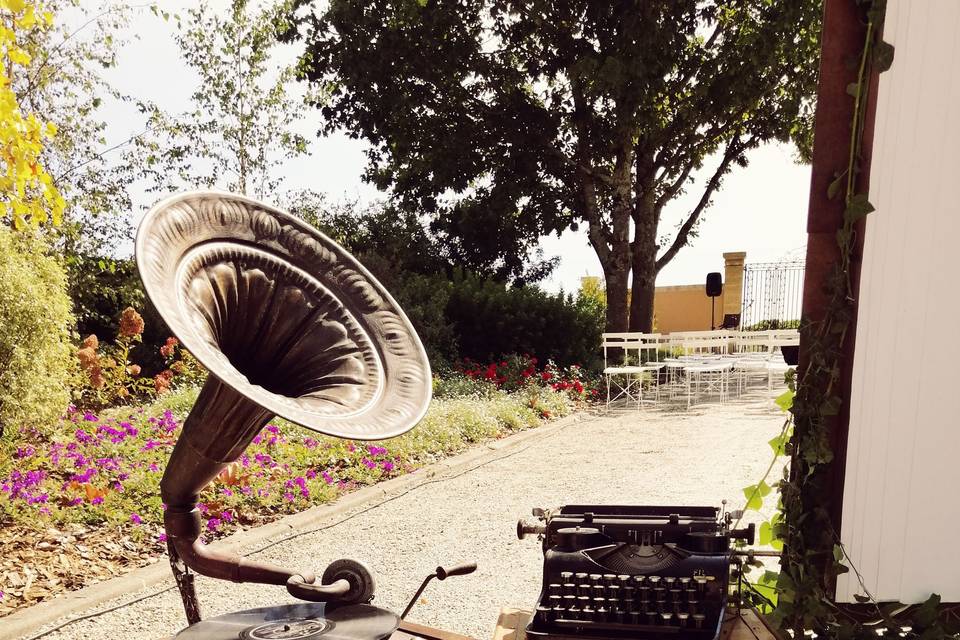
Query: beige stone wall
[687, 307]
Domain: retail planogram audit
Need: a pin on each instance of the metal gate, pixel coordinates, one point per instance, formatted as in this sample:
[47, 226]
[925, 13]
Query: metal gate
[772, 295]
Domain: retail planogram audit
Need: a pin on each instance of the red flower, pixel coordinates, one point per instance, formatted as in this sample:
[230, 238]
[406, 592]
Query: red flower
[545, 376]
[578, 386]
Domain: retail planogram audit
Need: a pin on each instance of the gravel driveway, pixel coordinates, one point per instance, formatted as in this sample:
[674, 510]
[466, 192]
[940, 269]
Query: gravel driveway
[701, 456]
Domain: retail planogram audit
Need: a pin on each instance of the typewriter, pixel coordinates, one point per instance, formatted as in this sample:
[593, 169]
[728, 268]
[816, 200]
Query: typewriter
[618, 572]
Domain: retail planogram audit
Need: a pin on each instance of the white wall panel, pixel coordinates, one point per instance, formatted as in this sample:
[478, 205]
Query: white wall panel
[901, 506]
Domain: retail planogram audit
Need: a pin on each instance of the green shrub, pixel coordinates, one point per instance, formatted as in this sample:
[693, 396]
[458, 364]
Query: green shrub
[491, 319]
[36, 357]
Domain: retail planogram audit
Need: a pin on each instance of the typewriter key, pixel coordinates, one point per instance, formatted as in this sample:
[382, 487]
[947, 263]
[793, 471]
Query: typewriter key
[596, 578]
[668, 581]
[682, 619]
[616, 615]
[543, 613]
[558, 613]
[555, 601]
[639, 580]
[651, 616]
[587, 613]
[609, 578]
[634, 617]
[676, 595]
[623, 579]
[692, 606]
[661, 594]
[583, 590]
[691, 594]
[698, 619]
[667, 618]
[581, 577]
[554, 589]
[676, 607]
[653, 580]
[600, 615]
[583, 601]
[613, 592]
[599, 602]
[569, 589]
[566, 576]
[573, 613]
[627, 592]
[684, 582]
[598, 591]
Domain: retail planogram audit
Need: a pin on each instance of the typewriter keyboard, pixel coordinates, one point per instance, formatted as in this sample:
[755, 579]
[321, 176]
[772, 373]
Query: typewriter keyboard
[608, 602]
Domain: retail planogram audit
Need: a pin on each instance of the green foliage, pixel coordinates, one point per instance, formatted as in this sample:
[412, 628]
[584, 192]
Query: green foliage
[242, 121]
[548, 115]
[767, 325]
[36, 359]
[491, 319]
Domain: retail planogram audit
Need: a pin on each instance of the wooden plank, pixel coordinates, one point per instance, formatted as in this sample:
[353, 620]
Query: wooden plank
[742, 625]
[423, 631]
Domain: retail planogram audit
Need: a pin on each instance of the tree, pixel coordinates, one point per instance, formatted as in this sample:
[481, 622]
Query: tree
[241, 124]
[64, 80]
[28, 196]
[509, 120]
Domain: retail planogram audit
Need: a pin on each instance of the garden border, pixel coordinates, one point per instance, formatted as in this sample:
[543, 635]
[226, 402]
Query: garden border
[18, 625]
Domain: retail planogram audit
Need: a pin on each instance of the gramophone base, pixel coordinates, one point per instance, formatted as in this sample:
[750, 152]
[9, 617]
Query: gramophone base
[305, 621]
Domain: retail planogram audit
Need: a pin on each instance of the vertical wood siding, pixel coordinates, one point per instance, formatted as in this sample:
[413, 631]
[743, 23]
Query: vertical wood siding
[901, 506]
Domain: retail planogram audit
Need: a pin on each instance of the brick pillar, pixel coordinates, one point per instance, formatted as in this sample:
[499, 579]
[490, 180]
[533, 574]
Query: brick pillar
[732, 287]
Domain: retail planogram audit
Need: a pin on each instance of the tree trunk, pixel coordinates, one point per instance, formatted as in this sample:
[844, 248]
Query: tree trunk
[642, 291]
[616, 283]
[643, 260]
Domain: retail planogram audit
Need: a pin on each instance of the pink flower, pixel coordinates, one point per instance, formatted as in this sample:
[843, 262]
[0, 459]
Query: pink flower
[213, 524]
[136, 519]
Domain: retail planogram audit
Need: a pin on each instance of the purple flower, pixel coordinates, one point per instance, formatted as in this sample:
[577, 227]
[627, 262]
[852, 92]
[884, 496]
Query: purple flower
[24, 452]
[327, 477]
[257, 439]
[203, 508]
[153, 467]
[162, 537]
[310, 443]
[75, 502]
[368, 463]
[387, 466]
[136, 519]
[98, 500]
[288, 496]
[227, 492]
[376, 451]
[311, 474]
[150, 444]
[89, 417]
[213, 524]
[82, 436]
[273, 428]
[226, 515]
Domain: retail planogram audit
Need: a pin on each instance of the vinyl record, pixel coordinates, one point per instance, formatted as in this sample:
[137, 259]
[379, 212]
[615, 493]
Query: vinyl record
[306, 621]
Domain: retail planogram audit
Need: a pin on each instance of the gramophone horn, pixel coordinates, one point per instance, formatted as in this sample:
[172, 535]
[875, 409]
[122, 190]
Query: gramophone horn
[288, 323]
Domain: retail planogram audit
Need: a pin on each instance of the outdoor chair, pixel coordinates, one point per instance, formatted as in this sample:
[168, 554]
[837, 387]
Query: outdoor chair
[633, 375]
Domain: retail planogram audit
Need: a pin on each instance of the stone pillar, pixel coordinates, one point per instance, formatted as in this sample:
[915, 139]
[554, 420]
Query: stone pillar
[732, 288]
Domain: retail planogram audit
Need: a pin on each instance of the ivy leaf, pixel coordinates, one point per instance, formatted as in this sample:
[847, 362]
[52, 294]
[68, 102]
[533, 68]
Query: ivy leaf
[862, 599]
[777, 544]
[764, 489]
[785, 400]
[779, 445]
[883, 56]
[830, 406]
[858, 208]
[834, 187]
[838, 553]
[754, 497]
[765, 534]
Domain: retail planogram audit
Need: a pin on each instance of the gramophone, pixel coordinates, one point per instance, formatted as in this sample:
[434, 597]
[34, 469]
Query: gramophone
[288, 323]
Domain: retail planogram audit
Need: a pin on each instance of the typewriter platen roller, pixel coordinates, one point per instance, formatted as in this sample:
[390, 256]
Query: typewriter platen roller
[617, 572]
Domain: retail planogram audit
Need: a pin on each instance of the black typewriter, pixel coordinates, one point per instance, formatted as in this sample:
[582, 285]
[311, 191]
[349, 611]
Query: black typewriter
[617, 572]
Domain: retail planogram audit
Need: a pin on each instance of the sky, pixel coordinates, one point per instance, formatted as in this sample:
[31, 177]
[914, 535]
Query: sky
[761, 209]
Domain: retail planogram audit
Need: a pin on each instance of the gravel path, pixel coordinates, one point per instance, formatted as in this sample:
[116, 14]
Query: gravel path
[701, 456]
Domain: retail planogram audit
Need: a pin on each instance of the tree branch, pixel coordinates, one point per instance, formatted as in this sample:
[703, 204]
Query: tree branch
[734, 149]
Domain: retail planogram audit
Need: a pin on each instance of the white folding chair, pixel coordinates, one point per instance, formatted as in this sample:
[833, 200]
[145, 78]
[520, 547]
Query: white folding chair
[635, 371]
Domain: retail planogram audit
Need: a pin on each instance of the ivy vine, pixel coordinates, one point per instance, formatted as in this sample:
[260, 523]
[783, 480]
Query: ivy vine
[812, 555]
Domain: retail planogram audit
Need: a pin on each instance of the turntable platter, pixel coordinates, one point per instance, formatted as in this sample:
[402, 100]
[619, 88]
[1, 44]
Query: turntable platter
[306, 621]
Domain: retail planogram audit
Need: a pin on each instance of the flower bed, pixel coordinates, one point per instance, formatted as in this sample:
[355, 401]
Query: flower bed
[83, 504]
